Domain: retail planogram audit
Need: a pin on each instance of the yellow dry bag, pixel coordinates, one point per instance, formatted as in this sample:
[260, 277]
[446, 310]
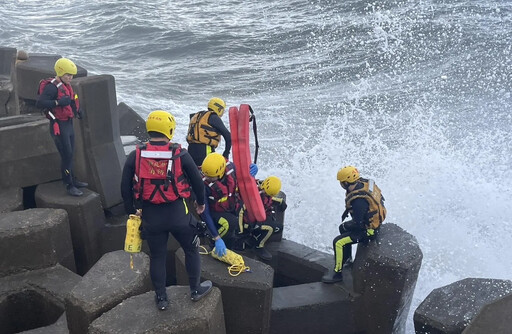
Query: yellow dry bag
[133, 242]
[236, 261]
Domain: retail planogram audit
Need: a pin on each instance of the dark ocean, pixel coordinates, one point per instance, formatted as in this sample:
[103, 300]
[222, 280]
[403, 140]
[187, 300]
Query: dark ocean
[416, 94]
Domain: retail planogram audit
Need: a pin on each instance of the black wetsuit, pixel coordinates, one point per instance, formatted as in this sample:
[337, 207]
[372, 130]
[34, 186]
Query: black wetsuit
[65, 142]
[352, 231]
[161, 219]
[200, 151]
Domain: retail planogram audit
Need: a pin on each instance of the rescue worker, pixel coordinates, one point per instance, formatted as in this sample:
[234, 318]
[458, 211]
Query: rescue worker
[222, 196]
[205, 129]
[261, 232]
[157, 179]
[365, 203]
[60, 105]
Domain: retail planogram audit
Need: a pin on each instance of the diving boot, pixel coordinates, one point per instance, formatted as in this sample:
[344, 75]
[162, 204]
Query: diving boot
[202, 290]
[332, 276]
[348, 264]
[263, 254]
[80, 184]
[73, 191]
[161, 302]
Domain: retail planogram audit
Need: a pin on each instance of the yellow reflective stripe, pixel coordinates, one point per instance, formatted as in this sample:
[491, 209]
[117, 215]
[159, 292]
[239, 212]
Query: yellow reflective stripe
[370, 232]
[186, 206]
[224, 226]
[241, 220]
[338, 252]
[208, 149]
[269, 230]
[223, 199]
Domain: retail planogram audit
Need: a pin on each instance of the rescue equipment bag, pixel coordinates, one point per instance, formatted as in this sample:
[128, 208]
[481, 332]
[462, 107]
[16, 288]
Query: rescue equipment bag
[236, 262]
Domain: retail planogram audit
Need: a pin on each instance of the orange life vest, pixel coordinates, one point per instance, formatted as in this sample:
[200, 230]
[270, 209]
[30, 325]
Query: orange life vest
[201, 132]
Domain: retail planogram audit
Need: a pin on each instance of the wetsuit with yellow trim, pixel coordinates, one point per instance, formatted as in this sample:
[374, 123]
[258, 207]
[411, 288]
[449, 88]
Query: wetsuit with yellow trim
[223, 207]
[262, 231]
[358, 228]
[161, 219]
[197, 148]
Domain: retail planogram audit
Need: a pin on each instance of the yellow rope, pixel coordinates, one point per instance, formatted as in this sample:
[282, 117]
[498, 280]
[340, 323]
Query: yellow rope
[234, 269]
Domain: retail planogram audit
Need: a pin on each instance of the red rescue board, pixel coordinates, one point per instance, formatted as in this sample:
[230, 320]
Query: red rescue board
[239, 126]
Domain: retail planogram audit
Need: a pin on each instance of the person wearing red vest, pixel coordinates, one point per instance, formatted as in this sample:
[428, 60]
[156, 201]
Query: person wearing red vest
[158, 178]
[60, 104]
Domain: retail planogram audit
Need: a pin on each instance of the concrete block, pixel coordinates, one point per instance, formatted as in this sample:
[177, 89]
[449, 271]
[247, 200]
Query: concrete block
[11, 199]
[494, 317]
[247, 294]
[298, 264]
[385, 273]
[101, 156]
[8, 96]
[7, 60]
[86, 220]
[37, 67]
[312, 308]
[131, 123]
[34, 239]
[106, 284]
[139, 315]
[35, 299]
[27, 162]
[451, 308]
[59, 327]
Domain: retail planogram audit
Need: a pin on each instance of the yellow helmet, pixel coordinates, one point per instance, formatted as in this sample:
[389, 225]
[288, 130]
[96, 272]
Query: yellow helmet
[63, 66]
[214, 165]
[217, 105]
[348, 174]
[271, 185]
[162, 122]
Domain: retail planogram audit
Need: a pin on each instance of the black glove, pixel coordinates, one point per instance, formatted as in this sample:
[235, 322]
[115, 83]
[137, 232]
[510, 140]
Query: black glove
[79, 114]
[64, 101]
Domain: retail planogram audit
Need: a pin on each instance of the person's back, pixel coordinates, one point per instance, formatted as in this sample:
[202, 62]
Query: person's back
[157, 179]
[205, 131]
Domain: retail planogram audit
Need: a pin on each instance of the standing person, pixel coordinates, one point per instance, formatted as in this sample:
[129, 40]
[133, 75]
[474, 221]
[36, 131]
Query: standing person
[157, 179]
[365, 203]
[260, 232]
[60, 104]
[205, 129]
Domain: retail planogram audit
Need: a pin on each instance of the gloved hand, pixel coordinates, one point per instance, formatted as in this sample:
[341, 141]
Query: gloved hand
[79, 114]
[220, 247]
[56, 129]
[64, 101]
[253, 169]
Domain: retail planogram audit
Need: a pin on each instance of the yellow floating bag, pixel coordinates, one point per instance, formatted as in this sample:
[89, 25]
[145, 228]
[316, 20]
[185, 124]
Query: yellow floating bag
[236, 261]
[133, 242]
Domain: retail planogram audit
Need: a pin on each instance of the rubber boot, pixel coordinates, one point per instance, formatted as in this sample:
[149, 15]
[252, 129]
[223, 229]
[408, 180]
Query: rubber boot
[161, 302]
[332, 276]
[73, 191]
[263, 254]
[202, 290]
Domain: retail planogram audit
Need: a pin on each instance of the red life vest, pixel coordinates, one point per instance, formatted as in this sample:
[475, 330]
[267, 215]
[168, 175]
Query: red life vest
[224, 196]
[62, 113]
[159, 176]
[267, 201]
